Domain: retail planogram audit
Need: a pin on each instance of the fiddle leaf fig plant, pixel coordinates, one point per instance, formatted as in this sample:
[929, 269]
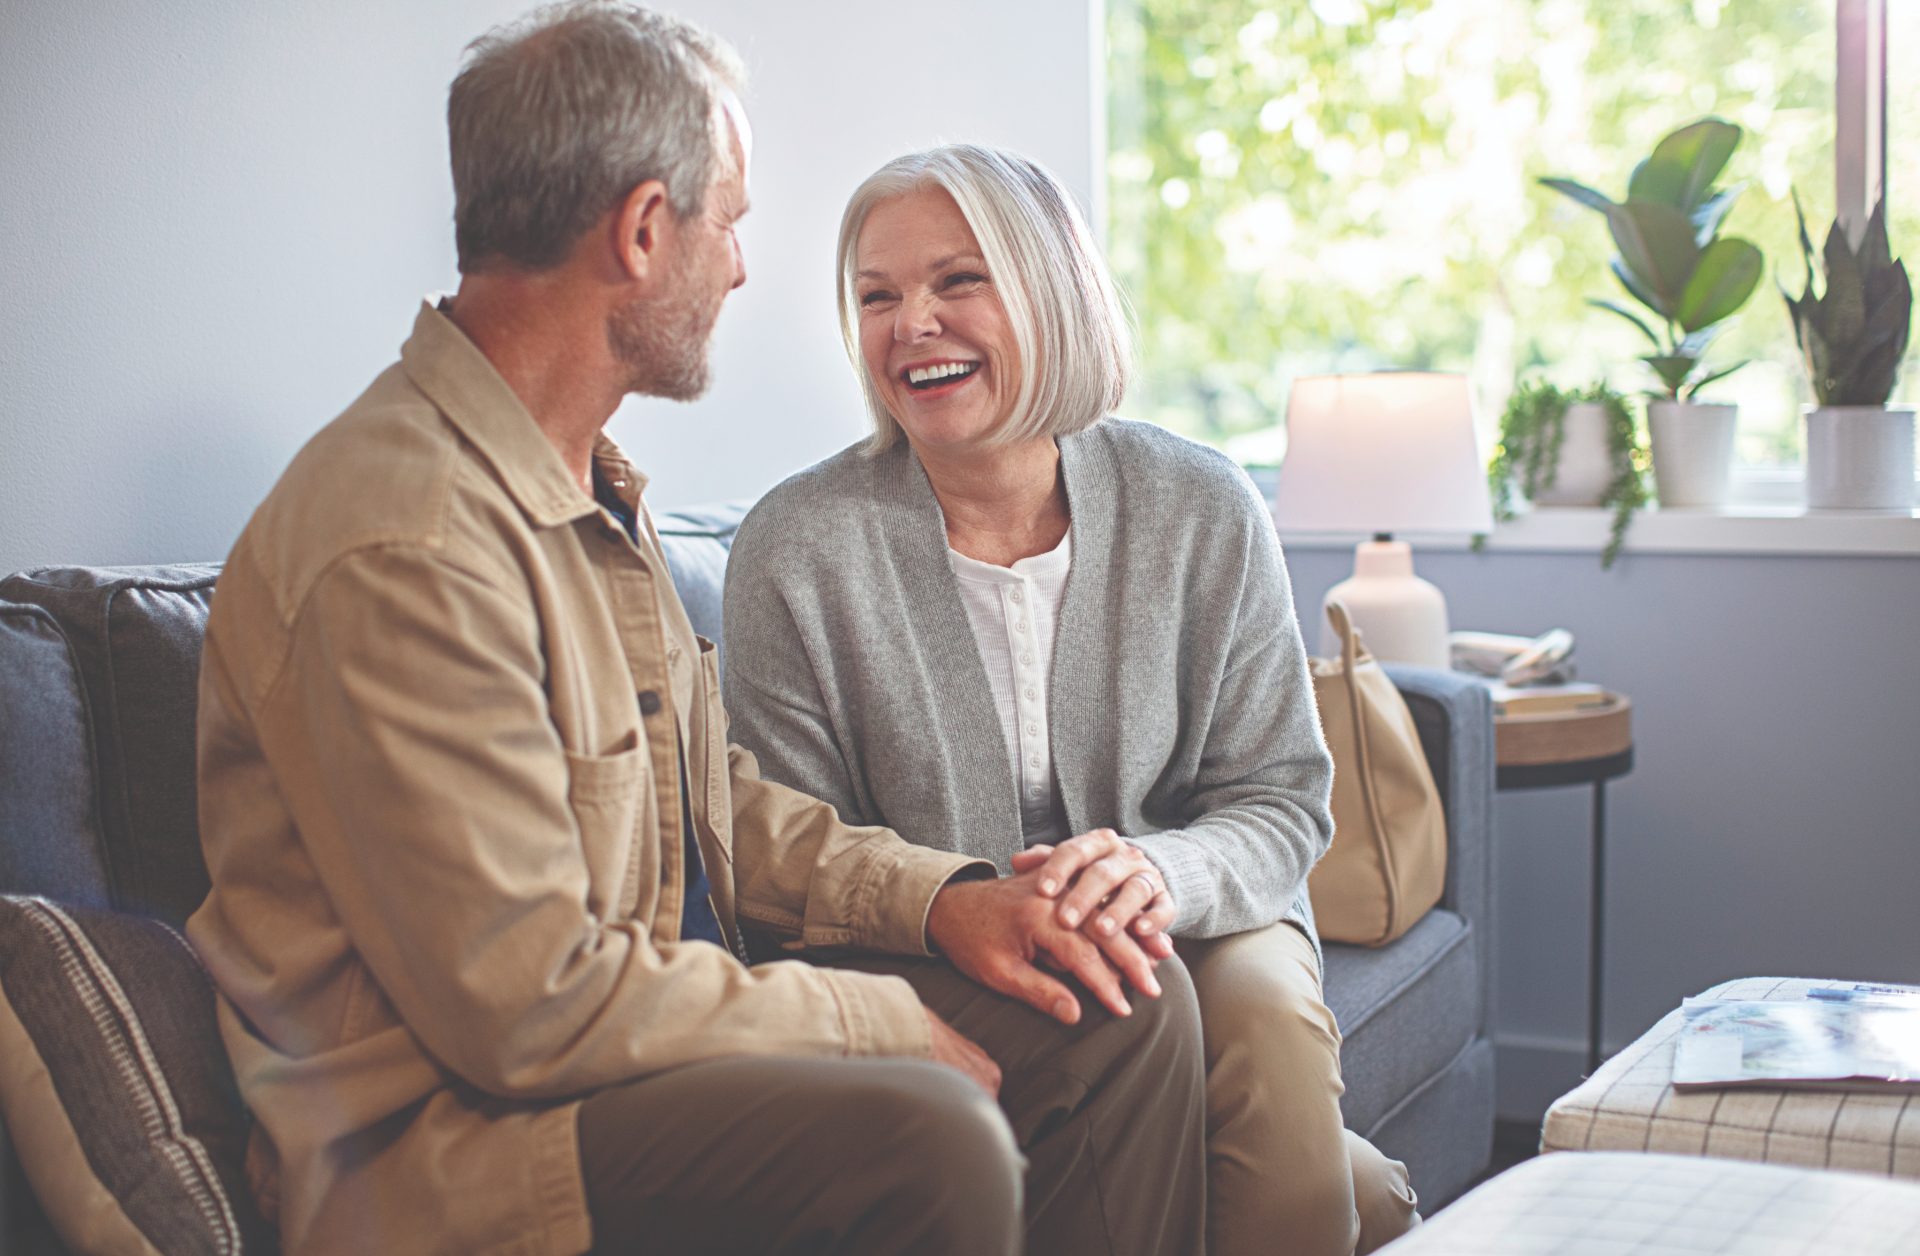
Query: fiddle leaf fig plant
[1672, 258]
[1854, 336]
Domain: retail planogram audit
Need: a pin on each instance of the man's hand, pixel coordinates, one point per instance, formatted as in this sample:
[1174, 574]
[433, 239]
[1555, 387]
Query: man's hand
[994, 930]
[1111, 889]
[954, 1049]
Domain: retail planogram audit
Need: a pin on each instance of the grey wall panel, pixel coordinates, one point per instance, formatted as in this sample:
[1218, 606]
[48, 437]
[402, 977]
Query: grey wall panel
[1772, 822]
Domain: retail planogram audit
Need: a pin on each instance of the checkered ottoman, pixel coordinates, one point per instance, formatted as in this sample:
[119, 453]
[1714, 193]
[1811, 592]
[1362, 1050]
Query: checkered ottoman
[1630, 1105]
[1619, 1204]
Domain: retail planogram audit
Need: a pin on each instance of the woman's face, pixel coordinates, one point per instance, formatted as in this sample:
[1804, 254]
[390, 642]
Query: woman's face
[933, 333]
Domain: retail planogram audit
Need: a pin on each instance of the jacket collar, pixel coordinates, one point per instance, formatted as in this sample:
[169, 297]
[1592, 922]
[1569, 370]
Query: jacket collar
[627, 480]
[456, 377]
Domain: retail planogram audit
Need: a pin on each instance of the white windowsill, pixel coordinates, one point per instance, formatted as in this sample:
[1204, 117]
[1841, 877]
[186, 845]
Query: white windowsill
[1746, 529]
[1768, 515]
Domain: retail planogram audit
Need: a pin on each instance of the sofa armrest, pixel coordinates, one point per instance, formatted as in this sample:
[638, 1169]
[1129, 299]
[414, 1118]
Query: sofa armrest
[1454, 716]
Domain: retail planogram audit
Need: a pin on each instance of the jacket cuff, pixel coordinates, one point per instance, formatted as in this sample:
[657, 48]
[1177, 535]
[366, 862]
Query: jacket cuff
[891, 905]
[881, 1015]
[1185, 872]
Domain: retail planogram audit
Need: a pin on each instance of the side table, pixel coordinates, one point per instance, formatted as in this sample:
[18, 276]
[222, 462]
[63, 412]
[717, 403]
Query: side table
[1591, 745]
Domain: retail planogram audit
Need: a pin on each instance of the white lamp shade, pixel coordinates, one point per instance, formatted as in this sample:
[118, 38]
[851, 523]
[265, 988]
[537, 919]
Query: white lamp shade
[1391, 452]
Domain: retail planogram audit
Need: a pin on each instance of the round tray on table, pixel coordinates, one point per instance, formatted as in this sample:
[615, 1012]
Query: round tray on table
[1564, 747]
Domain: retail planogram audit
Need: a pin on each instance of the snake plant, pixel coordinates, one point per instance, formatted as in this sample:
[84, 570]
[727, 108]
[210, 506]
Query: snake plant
[1854, 336]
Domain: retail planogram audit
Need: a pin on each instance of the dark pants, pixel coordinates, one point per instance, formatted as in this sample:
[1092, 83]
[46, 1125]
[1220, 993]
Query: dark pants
[785, 1154]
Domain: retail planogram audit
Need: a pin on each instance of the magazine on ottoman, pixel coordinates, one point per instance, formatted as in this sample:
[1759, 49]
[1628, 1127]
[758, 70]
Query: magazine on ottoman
[1849, 1036]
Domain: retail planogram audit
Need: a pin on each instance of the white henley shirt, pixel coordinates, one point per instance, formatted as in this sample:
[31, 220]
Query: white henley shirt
[1014, 612]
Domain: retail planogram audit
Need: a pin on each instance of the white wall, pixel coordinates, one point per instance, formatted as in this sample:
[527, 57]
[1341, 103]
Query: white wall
[217, 219]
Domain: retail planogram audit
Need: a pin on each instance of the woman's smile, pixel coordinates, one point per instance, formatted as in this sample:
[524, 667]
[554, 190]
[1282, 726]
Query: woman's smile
[939, 379]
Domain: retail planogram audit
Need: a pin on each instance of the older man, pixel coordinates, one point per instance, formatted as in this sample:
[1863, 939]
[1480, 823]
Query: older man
[480, 850]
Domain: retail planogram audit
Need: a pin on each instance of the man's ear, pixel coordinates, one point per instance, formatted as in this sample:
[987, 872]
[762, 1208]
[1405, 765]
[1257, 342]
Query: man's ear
[637, 226]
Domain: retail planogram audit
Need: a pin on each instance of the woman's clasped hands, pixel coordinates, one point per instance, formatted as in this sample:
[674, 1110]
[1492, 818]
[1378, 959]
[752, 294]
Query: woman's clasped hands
[1094, 907]
[1109, 890]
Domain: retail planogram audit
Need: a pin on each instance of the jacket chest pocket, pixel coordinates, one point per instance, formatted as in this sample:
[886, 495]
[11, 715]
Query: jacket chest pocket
[616, 832]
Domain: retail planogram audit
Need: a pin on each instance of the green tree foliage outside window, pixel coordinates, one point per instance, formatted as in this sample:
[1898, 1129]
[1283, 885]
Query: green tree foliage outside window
[1298, 187]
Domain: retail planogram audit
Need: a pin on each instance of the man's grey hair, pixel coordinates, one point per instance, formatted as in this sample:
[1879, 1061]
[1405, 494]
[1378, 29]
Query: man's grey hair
[1071, 330]
[557, 115]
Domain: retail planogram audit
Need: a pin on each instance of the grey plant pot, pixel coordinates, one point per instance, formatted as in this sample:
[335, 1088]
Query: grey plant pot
[1860, 457]
[1692, 451]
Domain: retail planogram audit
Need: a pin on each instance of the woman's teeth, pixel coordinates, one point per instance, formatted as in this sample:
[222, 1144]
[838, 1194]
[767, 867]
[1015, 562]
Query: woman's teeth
[929, 376]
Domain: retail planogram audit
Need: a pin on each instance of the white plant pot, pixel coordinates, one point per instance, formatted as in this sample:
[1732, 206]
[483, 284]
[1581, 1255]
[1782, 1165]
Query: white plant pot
[1692, 451]
[1585, 467]
[1860, 457]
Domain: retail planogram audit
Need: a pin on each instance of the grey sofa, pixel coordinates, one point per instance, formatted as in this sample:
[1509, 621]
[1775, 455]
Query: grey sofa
[98, 670]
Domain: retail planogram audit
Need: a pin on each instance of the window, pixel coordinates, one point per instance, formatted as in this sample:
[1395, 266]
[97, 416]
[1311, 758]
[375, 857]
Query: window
[1297, 188]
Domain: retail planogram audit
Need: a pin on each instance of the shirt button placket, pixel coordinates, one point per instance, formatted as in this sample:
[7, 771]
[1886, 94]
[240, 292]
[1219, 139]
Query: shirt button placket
[1016, 624]
[1033, 771]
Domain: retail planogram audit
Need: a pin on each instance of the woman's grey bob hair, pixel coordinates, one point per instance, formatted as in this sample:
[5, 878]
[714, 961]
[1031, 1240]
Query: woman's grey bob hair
[1076, 351]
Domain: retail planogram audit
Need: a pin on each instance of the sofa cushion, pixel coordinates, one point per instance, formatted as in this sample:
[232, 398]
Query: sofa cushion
[697, 541]
[135, 634]
[1443, 1132]
[115, 1086]
[47, 811]
[1405, 1011]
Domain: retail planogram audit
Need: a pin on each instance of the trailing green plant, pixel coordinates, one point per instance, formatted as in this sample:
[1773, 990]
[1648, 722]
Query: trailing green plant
[1853, 337]
[1527, 459]
[1672, 258]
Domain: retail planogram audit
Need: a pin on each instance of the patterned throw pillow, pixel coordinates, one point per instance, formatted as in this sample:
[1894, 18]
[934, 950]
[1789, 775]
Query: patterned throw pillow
[115, 1086]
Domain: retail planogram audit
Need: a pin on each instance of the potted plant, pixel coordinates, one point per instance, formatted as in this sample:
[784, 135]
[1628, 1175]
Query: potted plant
[1571, 448]
[1674, 261]
[1859, 449]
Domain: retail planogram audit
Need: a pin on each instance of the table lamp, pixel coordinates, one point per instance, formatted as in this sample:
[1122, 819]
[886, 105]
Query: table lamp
[1385, 453]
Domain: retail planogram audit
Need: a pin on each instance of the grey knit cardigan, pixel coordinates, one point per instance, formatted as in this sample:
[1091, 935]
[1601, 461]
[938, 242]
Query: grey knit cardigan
[1181, 711]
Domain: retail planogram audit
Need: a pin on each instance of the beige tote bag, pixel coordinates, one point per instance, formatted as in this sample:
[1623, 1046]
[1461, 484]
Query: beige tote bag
[1388, 862]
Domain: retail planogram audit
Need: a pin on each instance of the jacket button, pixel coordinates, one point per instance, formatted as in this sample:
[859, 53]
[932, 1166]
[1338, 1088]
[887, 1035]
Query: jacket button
[649, 702]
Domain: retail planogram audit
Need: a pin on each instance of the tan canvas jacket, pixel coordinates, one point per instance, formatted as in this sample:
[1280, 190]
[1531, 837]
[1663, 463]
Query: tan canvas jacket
[446, 843]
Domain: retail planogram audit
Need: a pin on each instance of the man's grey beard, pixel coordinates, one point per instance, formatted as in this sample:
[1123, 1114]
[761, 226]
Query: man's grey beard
[664, 345]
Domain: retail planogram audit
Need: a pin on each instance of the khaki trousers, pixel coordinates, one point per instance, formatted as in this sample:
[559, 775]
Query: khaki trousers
[1284, 1175]
[749, 1155]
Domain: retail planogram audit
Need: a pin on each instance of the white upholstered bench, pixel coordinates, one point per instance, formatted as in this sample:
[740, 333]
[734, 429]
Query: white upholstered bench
[1629, 1204]
[1630, 1105]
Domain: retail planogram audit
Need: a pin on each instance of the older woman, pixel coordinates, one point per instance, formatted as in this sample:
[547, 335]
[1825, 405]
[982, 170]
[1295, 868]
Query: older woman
[1011, 626]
